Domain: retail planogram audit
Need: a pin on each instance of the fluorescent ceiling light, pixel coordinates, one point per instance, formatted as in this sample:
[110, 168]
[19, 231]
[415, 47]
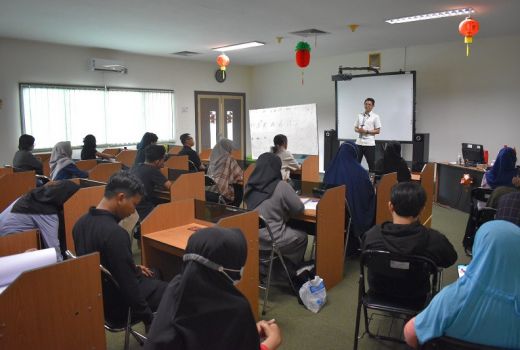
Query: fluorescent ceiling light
[449, 13]
[238, 46]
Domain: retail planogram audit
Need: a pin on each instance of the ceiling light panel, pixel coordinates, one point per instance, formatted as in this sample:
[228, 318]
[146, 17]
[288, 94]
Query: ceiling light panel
[239, 46]
[448, 13]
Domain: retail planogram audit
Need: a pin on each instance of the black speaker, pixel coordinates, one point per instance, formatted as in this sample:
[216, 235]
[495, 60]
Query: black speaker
[421, 151]
[330, 146]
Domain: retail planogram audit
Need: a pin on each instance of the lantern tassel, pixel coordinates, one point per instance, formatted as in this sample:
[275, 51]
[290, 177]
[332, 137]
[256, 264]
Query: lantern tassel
[302, 77]
[467, 50]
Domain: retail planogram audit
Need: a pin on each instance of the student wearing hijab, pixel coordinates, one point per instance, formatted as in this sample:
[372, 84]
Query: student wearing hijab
[42, 209]
[149, 138]
[393, 162]
[288, 162]
[346, 170]
[503, 172]
[224, 170]
[201, 308]
[61, 163]
[24, 159]
[89, 150]
[276, 201]
[483, 306]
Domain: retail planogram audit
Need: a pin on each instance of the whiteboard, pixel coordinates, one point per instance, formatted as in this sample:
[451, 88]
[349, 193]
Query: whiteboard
[299, 123]
[394, 96]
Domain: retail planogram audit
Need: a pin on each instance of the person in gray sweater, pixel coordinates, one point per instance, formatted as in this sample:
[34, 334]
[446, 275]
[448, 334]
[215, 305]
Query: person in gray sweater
[276, 201]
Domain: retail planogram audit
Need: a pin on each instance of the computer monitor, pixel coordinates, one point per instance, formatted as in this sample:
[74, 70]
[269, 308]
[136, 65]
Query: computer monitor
[473, 154]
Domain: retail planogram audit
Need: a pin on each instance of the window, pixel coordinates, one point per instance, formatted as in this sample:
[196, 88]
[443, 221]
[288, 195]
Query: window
[116, 116]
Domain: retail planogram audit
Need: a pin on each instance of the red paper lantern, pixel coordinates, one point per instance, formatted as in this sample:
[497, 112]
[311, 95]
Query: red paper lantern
[223, 61]
[303, 58]
[468, 28]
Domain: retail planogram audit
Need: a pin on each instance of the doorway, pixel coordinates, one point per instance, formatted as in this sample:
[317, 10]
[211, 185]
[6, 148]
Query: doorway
[220, 114]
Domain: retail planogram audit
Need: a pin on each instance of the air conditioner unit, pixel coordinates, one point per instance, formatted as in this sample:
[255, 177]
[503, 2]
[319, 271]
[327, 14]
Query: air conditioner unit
[104, 65]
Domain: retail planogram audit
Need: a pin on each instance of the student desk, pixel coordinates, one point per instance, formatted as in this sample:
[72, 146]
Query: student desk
[185, 185]
[58, 306]
[103, 170]
[205, 154]
[44, 158]
[112, 151]
[174, 149]
[14, 185]
[383, 191]
[6, 170]
[127, 157]
[328, 222]
[86, 165]
[176, 162]
[19, 242]
[449, 190]
[166, 230]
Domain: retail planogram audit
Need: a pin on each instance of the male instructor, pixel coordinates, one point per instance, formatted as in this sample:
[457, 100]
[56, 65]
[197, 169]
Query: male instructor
[367, 126]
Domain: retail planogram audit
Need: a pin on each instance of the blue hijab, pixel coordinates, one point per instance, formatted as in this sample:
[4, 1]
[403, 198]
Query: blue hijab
[503, 170]
[483, 306]
[346, 170]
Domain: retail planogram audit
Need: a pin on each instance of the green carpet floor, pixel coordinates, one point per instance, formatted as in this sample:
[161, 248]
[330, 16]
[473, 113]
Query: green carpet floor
[333, 327]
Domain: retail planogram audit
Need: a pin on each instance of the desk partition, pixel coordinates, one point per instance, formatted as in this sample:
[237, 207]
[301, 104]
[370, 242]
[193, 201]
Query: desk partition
[383, 191]
[127, 157]
[19, 242]
[166, 230]
[14, 185]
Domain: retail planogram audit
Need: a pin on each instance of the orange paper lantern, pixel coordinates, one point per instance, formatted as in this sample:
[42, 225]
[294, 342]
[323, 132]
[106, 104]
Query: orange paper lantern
[468, 28]
[223, 61]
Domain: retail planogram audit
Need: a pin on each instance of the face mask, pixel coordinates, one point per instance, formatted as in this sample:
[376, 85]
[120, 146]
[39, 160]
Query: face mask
[211, 265]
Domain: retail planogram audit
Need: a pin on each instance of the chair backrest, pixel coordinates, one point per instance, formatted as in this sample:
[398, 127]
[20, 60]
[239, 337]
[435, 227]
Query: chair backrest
[481, 194]
[397, 268]
[208, 181]
[448, 343]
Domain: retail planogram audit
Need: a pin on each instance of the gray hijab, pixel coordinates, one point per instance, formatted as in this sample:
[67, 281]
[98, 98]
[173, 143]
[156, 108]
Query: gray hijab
[220, 153]
[60, 157]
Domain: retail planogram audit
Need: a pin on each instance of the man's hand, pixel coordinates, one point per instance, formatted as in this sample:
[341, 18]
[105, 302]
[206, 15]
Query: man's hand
[271, 332]
[145, 271]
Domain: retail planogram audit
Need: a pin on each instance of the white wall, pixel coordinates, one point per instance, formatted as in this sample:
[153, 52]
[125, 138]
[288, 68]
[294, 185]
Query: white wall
[459, 99]
[26, 61]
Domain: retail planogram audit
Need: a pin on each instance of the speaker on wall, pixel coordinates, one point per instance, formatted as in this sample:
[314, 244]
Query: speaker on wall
[421, 151]
[330, 146]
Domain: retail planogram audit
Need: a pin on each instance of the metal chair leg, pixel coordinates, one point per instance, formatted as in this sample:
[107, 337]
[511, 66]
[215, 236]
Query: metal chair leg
[127, 330]
[268, 285]
[286, 271]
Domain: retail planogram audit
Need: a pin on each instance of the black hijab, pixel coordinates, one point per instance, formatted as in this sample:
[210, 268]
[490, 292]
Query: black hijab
[393, 162]
[46, 200]
[200, 308]
[263, 180]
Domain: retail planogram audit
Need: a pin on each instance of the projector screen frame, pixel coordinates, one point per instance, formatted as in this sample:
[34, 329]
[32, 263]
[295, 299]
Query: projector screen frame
[414, 76]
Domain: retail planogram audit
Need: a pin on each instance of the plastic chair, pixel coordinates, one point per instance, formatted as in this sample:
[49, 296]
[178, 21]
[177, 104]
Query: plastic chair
[398, 268]
[448, 343]
[118, 316]
[477, 217]
[269, 257]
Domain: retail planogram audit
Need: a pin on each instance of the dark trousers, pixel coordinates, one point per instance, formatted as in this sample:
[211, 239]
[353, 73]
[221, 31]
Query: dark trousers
[370, 154]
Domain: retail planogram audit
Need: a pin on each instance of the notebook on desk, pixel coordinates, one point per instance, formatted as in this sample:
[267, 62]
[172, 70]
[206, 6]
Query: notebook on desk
[310, 203]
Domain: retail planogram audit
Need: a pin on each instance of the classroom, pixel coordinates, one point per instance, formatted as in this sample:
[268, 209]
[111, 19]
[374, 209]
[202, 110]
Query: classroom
[459, 98]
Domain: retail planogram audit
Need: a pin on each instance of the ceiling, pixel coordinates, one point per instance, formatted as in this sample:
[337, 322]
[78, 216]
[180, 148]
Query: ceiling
[160, 27]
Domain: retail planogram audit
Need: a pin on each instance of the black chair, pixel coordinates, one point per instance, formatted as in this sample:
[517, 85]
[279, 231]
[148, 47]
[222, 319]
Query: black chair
[269, 257]
[397, 268]
[118, 315]
[477, 217]
[448, 343]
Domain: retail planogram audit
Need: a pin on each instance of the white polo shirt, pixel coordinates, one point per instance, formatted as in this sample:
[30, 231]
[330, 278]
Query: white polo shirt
[368, 122]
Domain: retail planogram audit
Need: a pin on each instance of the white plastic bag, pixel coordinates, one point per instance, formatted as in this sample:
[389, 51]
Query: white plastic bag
[314, 294]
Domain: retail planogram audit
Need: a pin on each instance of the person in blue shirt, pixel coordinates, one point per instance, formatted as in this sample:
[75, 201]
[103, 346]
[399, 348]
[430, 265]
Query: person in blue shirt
[483, 306]
[61, 163]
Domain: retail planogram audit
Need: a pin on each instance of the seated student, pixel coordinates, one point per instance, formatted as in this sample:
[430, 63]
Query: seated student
[393, 162]
[224, 170]
[345, 169]
[503, 172]
[483, 306]
[509, 208]
[288, 162]
[98, 231]
[202, 309]
[152, 178]
[89, 150]
[23, 158]
[406, 236]
[149, 138]
[42, 209]
[193, 157]
[61, 163]
[276, 201]
[498, 193]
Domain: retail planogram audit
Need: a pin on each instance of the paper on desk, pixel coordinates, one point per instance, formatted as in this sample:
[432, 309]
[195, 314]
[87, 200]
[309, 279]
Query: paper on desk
[12, 266]
[311, 204]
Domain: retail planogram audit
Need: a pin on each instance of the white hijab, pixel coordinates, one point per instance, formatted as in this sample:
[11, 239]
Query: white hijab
[60, 157]
[220, 153]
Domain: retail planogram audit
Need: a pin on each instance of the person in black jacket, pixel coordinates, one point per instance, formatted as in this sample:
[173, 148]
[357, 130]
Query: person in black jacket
[24, 159]
[393, 162]
[98, 231]
[193, 157]
[406, 236]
